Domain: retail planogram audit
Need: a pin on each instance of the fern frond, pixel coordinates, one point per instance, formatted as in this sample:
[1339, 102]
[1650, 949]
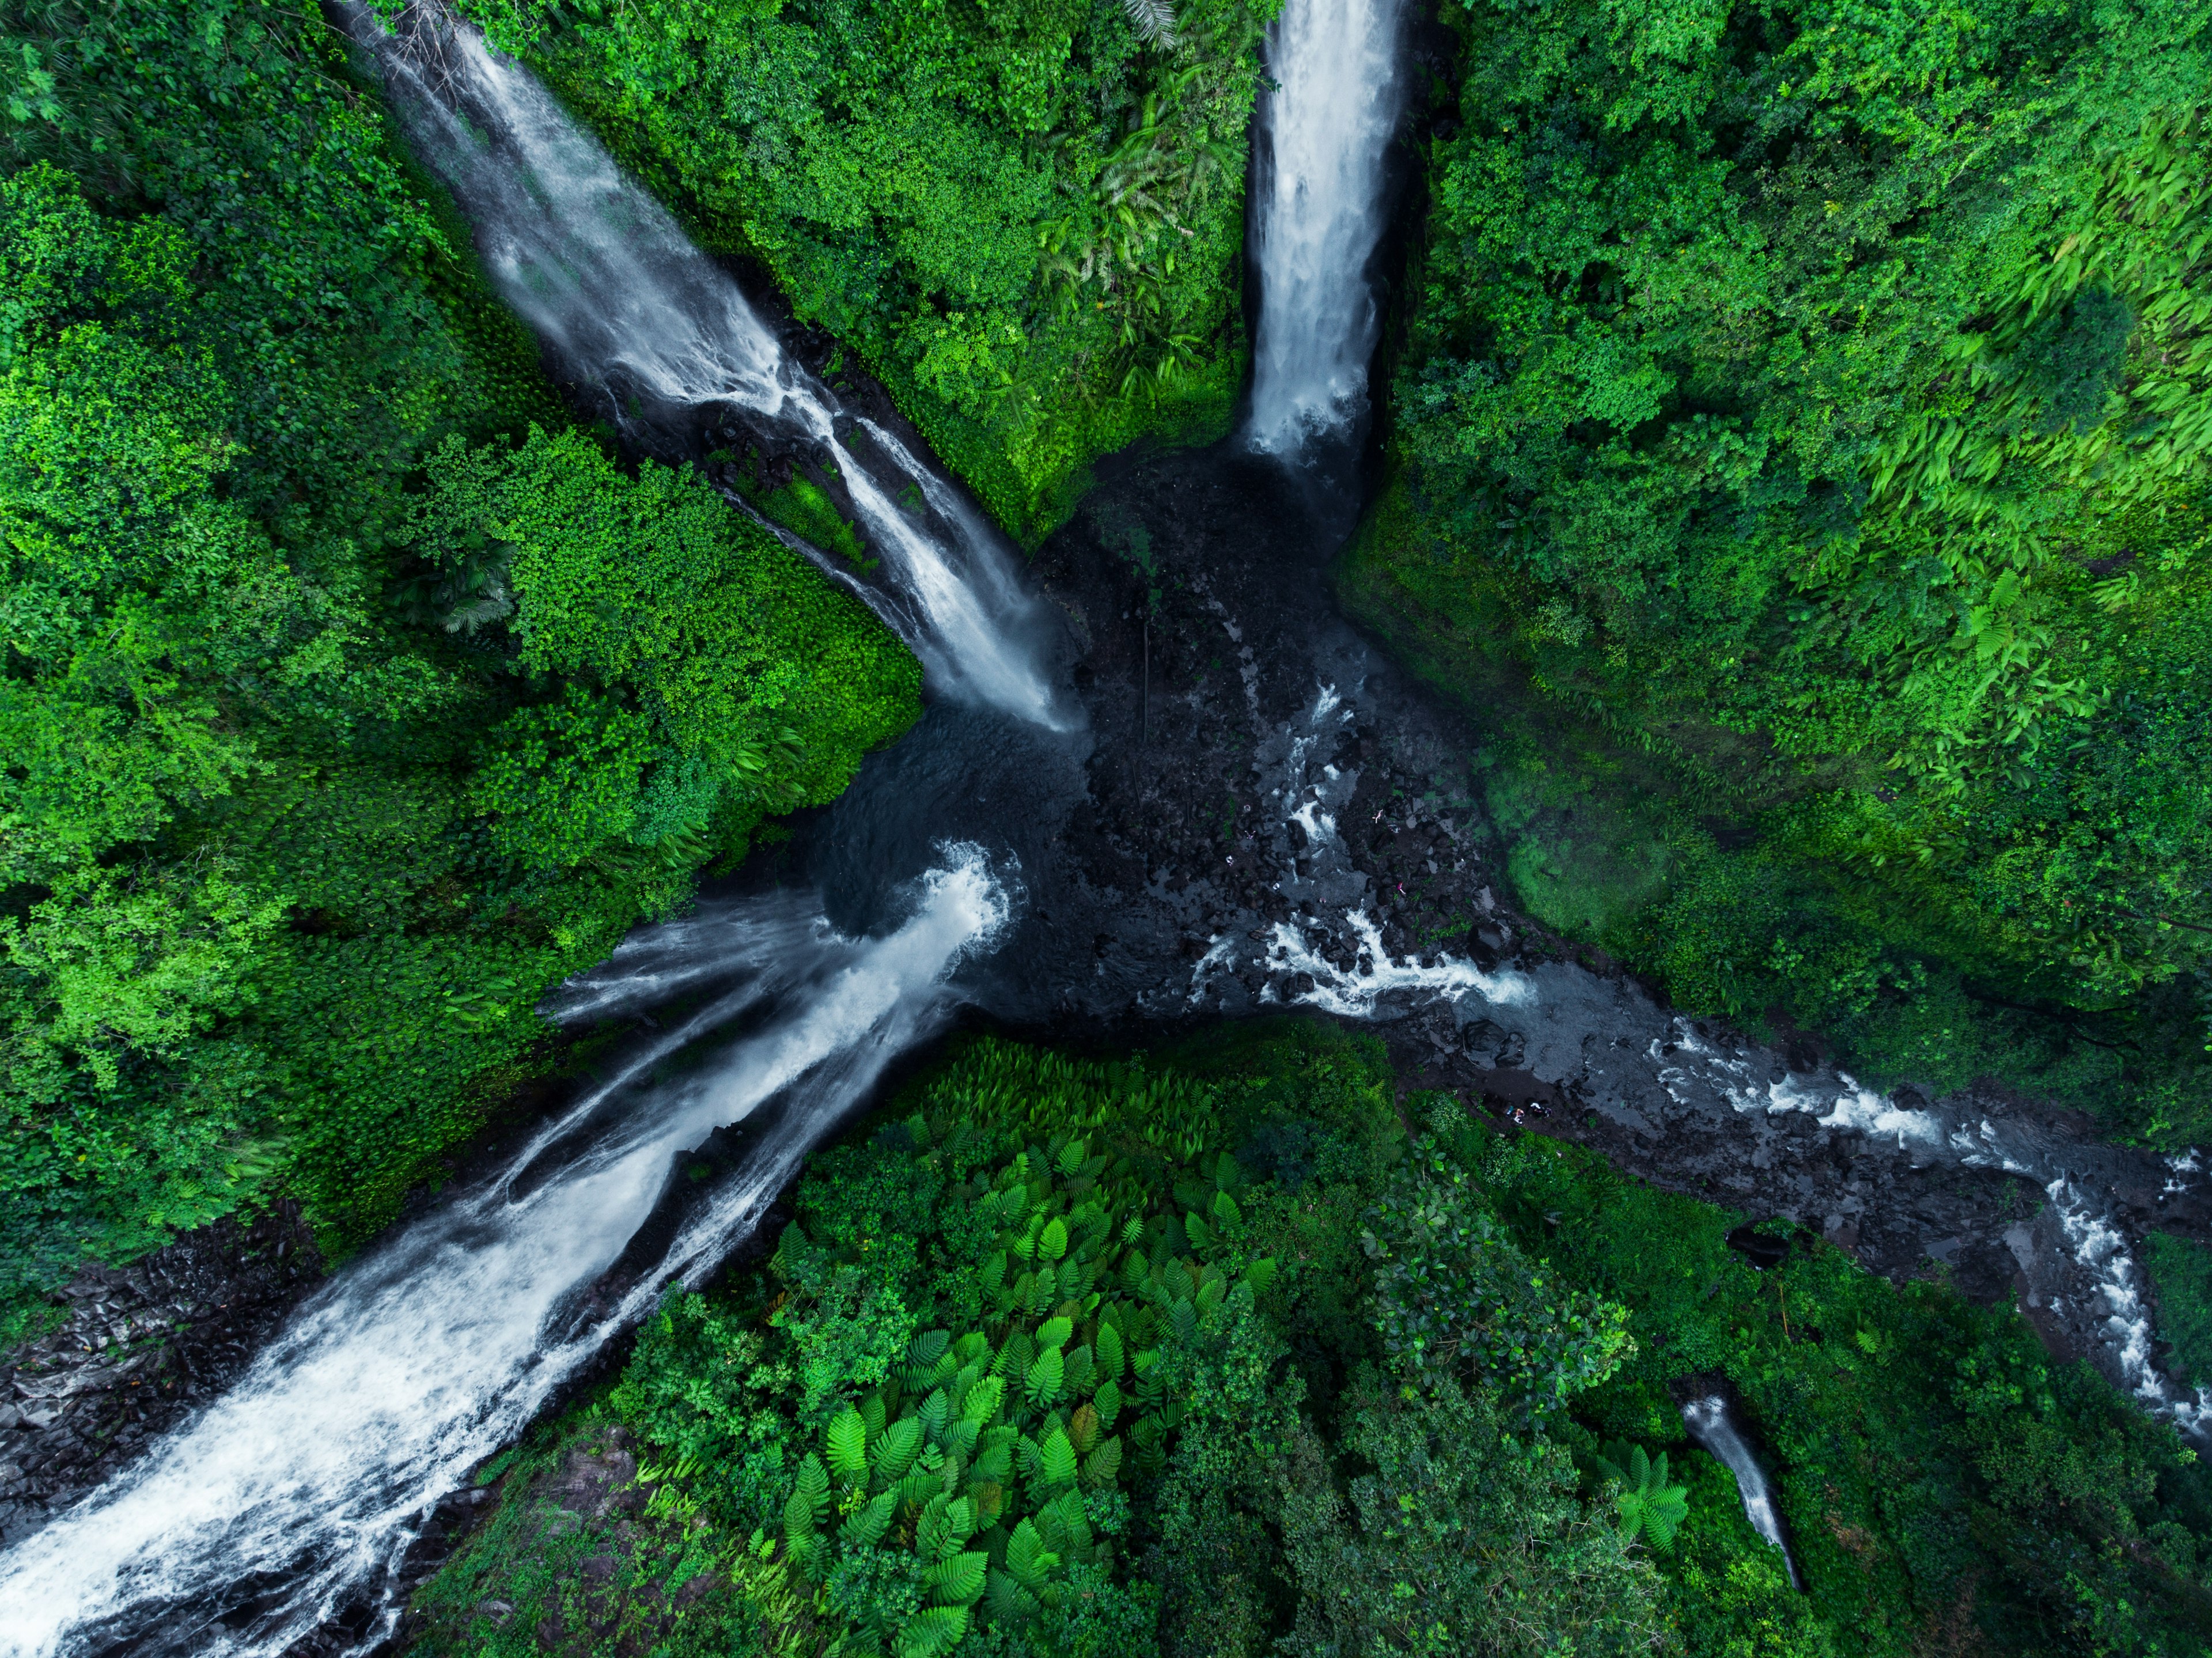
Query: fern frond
[1153, 19]
[896, 1450]
[1029, 1563]
[1056, 1462]
[958, 1582]
[1009, 1601]
[1103, 1465]
[865, 1527]
[847, 1441]
[932, 1633]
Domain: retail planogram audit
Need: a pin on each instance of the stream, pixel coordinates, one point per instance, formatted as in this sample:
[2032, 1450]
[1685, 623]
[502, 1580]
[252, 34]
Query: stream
[1116, 816]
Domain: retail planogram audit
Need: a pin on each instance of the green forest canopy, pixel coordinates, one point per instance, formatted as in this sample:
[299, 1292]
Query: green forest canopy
[1026, 217]
[352, 696]
[1203, 1356]
[1804, 415]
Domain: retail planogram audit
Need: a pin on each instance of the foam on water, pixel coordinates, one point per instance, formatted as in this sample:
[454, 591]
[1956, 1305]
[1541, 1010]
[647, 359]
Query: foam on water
[310, 1478]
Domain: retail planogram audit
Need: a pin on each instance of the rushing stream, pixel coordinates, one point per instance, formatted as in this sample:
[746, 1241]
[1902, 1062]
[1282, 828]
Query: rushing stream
[1012, 852]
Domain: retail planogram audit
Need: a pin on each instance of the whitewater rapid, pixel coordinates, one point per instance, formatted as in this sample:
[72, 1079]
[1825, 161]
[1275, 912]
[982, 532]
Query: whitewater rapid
[607, 278]
[1318, 213]
[300, 1490]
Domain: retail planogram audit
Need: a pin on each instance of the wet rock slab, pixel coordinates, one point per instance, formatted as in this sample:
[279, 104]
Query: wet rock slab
[135, 1350]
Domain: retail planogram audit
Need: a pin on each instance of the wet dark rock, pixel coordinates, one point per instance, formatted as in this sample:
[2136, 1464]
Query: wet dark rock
[136, 1350]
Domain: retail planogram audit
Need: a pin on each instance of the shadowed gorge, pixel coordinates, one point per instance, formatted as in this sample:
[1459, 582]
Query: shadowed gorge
[1047, 831]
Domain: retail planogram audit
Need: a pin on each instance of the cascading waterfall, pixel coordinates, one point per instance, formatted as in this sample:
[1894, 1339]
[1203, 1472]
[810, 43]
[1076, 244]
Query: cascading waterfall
[605, 276]
[1318, 214]
[303, 1487]
[1712, 1426]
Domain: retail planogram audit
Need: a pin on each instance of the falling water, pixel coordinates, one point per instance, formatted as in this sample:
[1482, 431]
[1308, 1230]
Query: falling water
[1318, 213]
[608, 281]
[1712, 1425]
[304, 1485]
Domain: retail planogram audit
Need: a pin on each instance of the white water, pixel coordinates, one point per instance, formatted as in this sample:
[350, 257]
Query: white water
[310, 1477]
[1310, 797]
[608, 279]
[1318, 213]
[1713, 1427]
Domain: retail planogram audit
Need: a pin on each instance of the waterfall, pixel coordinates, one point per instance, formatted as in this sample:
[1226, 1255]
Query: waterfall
[1712, 1426]
[608, 281]
[1318, 213]
[303, 1487]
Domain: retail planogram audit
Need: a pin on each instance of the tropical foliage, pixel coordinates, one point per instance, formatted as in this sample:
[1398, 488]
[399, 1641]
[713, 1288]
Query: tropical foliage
[1808, 400]
[1065, 1357]
[352, 698]
[1026, 219]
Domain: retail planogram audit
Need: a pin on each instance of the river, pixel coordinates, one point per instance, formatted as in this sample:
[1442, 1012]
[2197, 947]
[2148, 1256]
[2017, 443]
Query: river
[1115, 816]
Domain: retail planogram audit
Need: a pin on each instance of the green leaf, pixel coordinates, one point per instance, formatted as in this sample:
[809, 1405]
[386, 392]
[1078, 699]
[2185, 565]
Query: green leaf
[1103, 1465]
[865, 1527]
[1110, 1358]
[1055, 1332]
[933, 1632]
[1010, 1602]
[797, 1517]
[1225, 1211]
[957, 1581]
[983, 1400]
[1107, 1401]
[1260, 1274]
[1045, 1376]
[847, 1438]
[1056, 1459]
[814, 1486]
[1029, 1563]
[1052, 1244]
[895, 1451]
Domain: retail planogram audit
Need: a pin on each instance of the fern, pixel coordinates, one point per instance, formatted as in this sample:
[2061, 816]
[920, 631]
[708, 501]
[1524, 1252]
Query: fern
[1103, 1465]
[1153, 19]
[932, 1633]
[1045, 1376]
[1108, 1351]
[1056, 1463]
[814, 1487]
[847, 1441]
[895, 1451]
[983, 1400]
[957, 1581]
[1647, 1504]
[865, 1527]
[1029, 1563]
[1010, 1603]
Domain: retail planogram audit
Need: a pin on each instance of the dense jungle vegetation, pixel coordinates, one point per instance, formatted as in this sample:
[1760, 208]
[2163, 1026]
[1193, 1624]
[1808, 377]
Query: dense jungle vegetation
[352, 696]
[1799, 461]
[1026, 217]
[1206, 1355]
